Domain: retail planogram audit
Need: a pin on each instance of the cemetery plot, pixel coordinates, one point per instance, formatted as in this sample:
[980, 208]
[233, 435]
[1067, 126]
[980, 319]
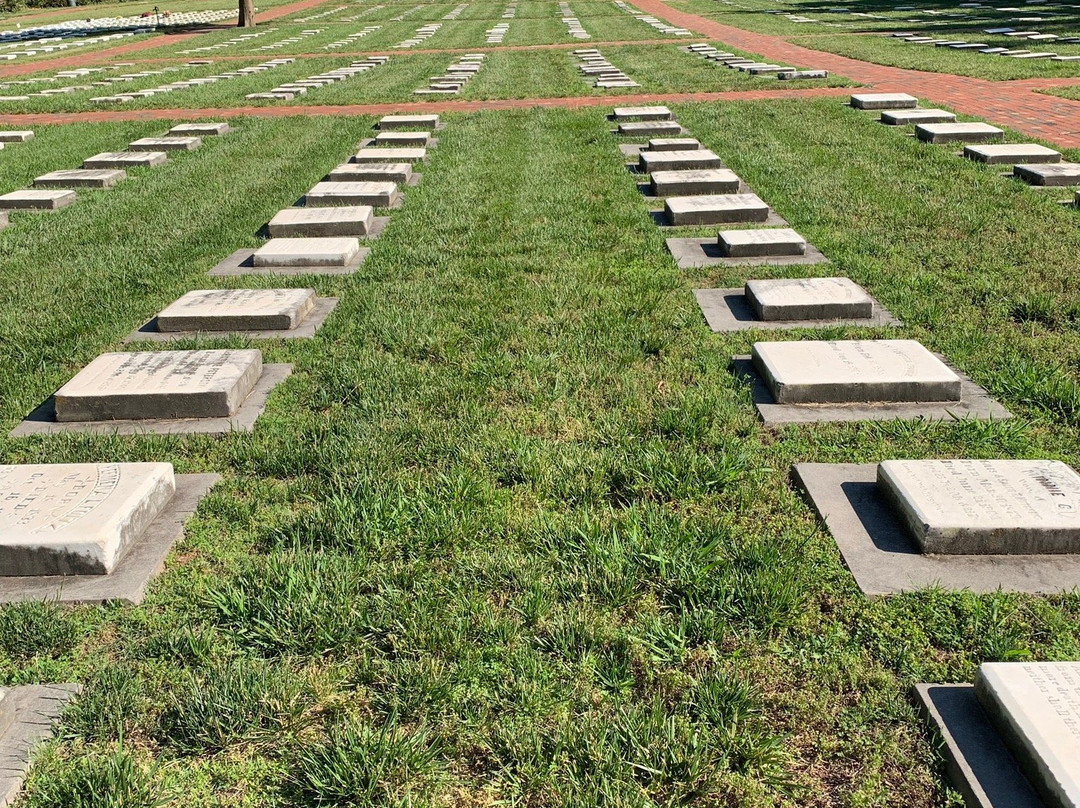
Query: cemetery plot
[855, 380]
[604, 75]
[752, 66]
[290, 90]
[457, 75]
[90, 532]
[251, 313]
[1012, 738]
[200, 391]
[790, 303]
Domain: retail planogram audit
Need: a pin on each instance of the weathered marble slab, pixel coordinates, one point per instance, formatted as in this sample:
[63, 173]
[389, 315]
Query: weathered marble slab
[159, 384]
[903, 117]
[343, 220]
[237, 310]
[375, 194]
[642, 114]
[884, 101]
[692, 160]
[36, 200]
[306, 252]
[850, 371]
[773, 241]
[1012, 153]
[691, 183]
[160, 144]
[389, 155]
[715, 209]
[125, 159]
[1049, 174]
[958, 133]
[80, 178]
[399, 173]
[986, 507]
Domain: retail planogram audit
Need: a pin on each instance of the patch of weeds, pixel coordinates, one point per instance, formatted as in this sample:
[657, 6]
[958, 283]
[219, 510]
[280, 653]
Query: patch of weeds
[1039, 307]
[37, 629]
[108, 705]
[246, 701]
[110, 779]
[1041, 386]
[359, 765]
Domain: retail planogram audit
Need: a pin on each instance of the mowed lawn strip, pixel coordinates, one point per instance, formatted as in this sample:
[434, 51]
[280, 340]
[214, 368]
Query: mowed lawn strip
[512, 529]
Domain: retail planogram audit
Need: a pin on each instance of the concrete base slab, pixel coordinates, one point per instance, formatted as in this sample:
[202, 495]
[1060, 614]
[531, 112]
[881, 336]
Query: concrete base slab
[729, 310]
[703, 252]
[884, 559]
[27, 715]
[42, 421]
[305, 330]
[977, 762]
[974, 403]
[140, 564]
[241, 263]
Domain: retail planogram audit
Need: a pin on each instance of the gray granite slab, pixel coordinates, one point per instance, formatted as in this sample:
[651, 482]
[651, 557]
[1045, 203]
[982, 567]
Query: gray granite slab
[126, 159]
[729, 310]
[986, 507]
[715, 209]
[903, 117]
[884, 101]
[37, 199]
[1011, 153]
[958, 133]
[1049, 174]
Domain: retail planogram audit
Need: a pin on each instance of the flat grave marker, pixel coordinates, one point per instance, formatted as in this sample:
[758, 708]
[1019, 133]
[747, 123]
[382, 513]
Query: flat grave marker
[16, 136]
[958, 133]
[850, 371]
[80, 178]
[125, 159]
[160, 385]
[343, 220]
[77, 518]
[715, 209]
[692, 160]
[160, 144]
[772, 241]
[398, 138]
[1035, 708]
[375, 194]
[306, 252]
[390, 123]
[690, 183]
[984, 507]
[903, 117]
[650, 128]
[390, 155]
[398, 173]
[884, 101]
[208, 129]
[1049, 174]
[642, 114]
[237, 310]
[1011, 153]
[39, 199]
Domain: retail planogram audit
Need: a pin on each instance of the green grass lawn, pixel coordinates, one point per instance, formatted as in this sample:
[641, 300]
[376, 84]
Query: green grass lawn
[1065, 92]
[512, 532]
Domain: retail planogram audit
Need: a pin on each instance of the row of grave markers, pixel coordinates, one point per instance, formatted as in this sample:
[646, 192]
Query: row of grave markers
[121, 98]
[982, 47]
[604, 74]
[455, 77]
[573, 24]
[752, 66]
[56, 189]
[97, 532]
[982, 525]
[287, 91]
[1031, 162]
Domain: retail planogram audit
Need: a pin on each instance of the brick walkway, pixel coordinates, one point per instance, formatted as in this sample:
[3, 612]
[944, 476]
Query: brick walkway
[1010, 103]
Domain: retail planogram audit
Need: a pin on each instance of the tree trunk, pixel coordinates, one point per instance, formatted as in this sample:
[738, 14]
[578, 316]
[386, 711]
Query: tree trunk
[247, 14]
